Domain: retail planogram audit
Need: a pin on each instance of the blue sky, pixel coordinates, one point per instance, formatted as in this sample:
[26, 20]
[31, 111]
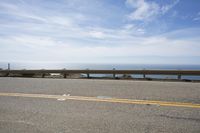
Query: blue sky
[100, 31]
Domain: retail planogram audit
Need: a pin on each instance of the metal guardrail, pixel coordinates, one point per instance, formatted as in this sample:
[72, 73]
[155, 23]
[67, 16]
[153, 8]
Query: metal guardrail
[179, 73]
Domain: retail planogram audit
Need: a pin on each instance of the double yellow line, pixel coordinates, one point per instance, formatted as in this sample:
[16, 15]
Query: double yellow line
[110, 100]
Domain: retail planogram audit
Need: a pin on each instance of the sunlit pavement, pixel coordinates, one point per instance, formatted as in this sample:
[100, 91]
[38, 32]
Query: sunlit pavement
[75, 105]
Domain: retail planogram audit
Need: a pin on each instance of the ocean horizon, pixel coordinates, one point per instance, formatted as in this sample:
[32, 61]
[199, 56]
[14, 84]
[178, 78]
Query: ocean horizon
[103, 66]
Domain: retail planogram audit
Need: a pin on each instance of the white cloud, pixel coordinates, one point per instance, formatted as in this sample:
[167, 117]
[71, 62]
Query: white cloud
[65, 37]
[97, 34]
[166, 8]
[60, 20]
[197, 18]
[145, 10]
[19, 11]
[142, 9]
[129, 26]
[38, 48]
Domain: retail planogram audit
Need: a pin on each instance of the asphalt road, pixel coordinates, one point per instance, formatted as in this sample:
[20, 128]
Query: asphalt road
[53, 115]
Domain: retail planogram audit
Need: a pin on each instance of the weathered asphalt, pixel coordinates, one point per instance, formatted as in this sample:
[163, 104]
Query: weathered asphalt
[20, 114]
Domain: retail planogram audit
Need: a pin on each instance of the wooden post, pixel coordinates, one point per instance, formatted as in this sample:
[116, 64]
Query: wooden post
[43, 75]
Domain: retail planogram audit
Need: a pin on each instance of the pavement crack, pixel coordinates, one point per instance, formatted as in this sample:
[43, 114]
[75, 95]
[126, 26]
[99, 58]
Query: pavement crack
[180, 118]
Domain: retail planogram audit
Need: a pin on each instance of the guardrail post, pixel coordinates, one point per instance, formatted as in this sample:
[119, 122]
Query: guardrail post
[144, 76]
[88, 75]
[65, 75]
[179, 77]
[114, 73]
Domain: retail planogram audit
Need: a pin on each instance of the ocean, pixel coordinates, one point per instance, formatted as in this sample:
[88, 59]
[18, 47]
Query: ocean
[58, 65]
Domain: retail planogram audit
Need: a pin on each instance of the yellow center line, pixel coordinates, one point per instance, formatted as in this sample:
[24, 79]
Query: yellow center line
[111, 100]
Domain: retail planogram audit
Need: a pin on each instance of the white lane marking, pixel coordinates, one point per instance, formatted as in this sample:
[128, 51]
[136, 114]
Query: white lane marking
[64, 97]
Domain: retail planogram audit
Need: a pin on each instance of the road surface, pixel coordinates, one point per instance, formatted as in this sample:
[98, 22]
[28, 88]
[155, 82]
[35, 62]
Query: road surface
[98, 106]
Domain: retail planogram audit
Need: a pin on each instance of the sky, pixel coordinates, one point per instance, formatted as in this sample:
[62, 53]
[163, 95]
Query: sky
[100, 31]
